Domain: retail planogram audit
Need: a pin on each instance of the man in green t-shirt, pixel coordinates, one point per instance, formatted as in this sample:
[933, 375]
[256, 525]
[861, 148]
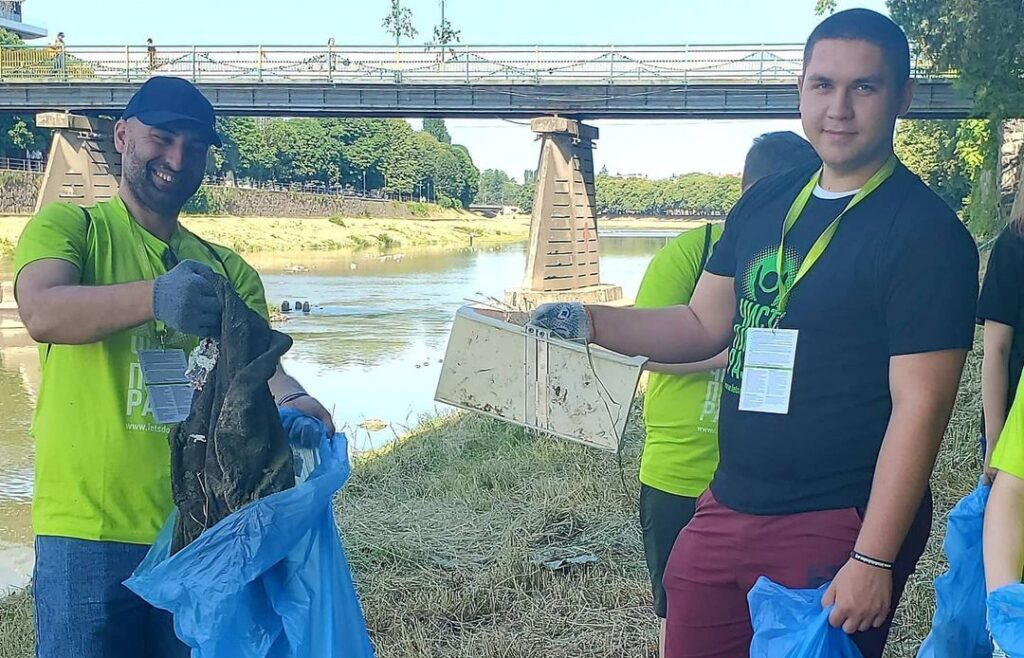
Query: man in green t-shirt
[681, 401]
[97, 287]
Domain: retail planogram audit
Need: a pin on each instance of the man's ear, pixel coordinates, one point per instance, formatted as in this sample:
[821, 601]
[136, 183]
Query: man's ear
[120, 135]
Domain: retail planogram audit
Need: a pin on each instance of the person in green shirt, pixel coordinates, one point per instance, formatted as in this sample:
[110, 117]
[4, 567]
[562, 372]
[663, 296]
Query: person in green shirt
[1004, 514]
[95, 287]
[681, 400]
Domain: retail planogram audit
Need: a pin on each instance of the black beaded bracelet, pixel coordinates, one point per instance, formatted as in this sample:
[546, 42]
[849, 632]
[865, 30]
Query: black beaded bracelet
[292, 396]
[870, 561]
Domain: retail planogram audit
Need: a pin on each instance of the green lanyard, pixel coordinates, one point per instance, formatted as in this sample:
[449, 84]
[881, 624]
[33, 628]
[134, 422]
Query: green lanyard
[146, 265]
[819, 246]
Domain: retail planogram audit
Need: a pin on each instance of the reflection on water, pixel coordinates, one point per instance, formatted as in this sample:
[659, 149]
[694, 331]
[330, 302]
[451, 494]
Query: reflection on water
[372, 351]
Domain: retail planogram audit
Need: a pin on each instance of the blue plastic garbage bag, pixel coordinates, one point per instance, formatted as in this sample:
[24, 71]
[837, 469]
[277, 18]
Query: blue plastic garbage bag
[268, 581]
[958, 627]
[1006, 619]
[790, 623]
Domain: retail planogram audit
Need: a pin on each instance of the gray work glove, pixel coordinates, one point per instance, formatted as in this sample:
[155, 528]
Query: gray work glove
[568, 320]
[185, 300]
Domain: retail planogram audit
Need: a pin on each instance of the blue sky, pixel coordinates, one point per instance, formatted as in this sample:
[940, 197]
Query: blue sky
[656, 148]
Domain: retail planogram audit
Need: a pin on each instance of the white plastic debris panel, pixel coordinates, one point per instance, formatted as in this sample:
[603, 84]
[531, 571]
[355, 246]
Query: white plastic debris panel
[521, 375]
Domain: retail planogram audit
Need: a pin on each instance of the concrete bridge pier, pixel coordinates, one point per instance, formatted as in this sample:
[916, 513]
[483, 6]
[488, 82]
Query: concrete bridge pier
[563, 262]
[83, 167]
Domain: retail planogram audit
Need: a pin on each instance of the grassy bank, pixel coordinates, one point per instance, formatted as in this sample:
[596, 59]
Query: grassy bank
[251, 234]
[446, 534]
[446, 229]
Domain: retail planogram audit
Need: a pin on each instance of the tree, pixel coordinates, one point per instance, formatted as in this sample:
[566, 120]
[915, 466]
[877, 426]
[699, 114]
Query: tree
[492, 188]
[444, 33]
[437, 128]
[823, 7]
[930, 149]
[8, 38]
[983, 42]
[398, 22]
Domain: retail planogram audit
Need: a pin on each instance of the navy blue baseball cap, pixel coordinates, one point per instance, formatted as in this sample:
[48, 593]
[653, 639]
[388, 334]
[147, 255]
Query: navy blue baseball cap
[164, 100]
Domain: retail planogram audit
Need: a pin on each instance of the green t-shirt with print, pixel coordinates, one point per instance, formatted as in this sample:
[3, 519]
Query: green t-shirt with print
[102, 462]
[680, 411]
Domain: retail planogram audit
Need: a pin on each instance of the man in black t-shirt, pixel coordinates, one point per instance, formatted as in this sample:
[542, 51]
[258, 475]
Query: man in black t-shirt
[846, 297]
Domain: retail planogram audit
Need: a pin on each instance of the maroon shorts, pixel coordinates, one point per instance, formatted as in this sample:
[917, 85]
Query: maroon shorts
[721, 553]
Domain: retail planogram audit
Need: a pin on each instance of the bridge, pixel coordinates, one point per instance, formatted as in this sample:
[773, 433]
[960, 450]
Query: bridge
[582, 82]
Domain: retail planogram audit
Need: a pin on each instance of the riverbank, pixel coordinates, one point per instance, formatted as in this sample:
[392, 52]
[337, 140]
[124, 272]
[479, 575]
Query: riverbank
[448, 532]
[447, 229]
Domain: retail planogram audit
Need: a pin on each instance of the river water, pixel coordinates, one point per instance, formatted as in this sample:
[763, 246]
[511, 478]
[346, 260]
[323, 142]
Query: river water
[370, 350]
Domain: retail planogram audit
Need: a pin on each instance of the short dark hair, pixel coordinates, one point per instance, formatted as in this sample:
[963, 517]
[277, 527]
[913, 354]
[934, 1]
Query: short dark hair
[870, 26]
[776, 152]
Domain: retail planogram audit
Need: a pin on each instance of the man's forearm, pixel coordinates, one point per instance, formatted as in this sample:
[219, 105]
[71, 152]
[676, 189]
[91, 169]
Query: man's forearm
[1004, 532]
[905, 463]
[76, 315]
[667, 335]
[720, 360]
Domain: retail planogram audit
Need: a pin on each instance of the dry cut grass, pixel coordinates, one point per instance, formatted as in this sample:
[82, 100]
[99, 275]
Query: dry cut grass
[446, 534]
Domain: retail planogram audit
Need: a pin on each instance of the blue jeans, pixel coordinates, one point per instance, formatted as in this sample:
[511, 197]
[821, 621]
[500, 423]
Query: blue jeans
[83, 610]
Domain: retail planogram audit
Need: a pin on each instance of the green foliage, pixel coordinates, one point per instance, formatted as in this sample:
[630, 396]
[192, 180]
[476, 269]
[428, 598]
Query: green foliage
[982, 42]
[386, 241]
[699, 193]
[823, 7]
[448, 202]
[203, 202]
[930, 149]
[380, 154]
[8, 38]
[982, 215]
[417, 209]
[437, 128]
[957, 160]
[18, 133]
[337, 221]
[398, 22]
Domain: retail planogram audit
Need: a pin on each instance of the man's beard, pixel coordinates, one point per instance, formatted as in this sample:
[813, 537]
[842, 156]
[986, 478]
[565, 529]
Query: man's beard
[163, 202]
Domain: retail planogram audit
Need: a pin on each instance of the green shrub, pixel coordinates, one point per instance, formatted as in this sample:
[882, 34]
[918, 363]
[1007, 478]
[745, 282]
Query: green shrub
[386, 241]
[203, 202]
[417, 209]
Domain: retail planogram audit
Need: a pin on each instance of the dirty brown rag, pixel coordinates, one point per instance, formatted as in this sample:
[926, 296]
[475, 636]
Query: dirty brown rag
[231, 449]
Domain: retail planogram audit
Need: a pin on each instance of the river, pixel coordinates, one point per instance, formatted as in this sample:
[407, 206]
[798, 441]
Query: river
[371, 351]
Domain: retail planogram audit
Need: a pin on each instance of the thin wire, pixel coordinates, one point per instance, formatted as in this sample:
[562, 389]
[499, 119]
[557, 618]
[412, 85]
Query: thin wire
[614, 420]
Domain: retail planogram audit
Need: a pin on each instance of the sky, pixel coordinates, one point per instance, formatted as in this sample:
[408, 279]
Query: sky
[655, 148]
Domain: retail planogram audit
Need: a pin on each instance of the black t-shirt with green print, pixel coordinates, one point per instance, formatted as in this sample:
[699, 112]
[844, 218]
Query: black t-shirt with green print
[899, 277]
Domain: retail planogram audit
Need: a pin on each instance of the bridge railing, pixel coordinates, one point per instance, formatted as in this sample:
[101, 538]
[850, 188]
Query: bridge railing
[423, 65]
[22, 164]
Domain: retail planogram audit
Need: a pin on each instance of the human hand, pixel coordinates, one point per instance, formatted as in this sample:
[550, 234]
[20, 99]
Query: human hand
[310, 406]
[567, 320]
[185, 300]
[862, 595]
[989, 473]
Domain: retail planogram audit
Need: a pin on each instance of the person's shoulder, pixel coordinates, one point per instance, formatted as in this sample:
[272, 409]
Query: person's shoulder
[775, 189]
[920, 211]
[782, 182]
[692, 238]
[1010, 240]
[58, 211]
